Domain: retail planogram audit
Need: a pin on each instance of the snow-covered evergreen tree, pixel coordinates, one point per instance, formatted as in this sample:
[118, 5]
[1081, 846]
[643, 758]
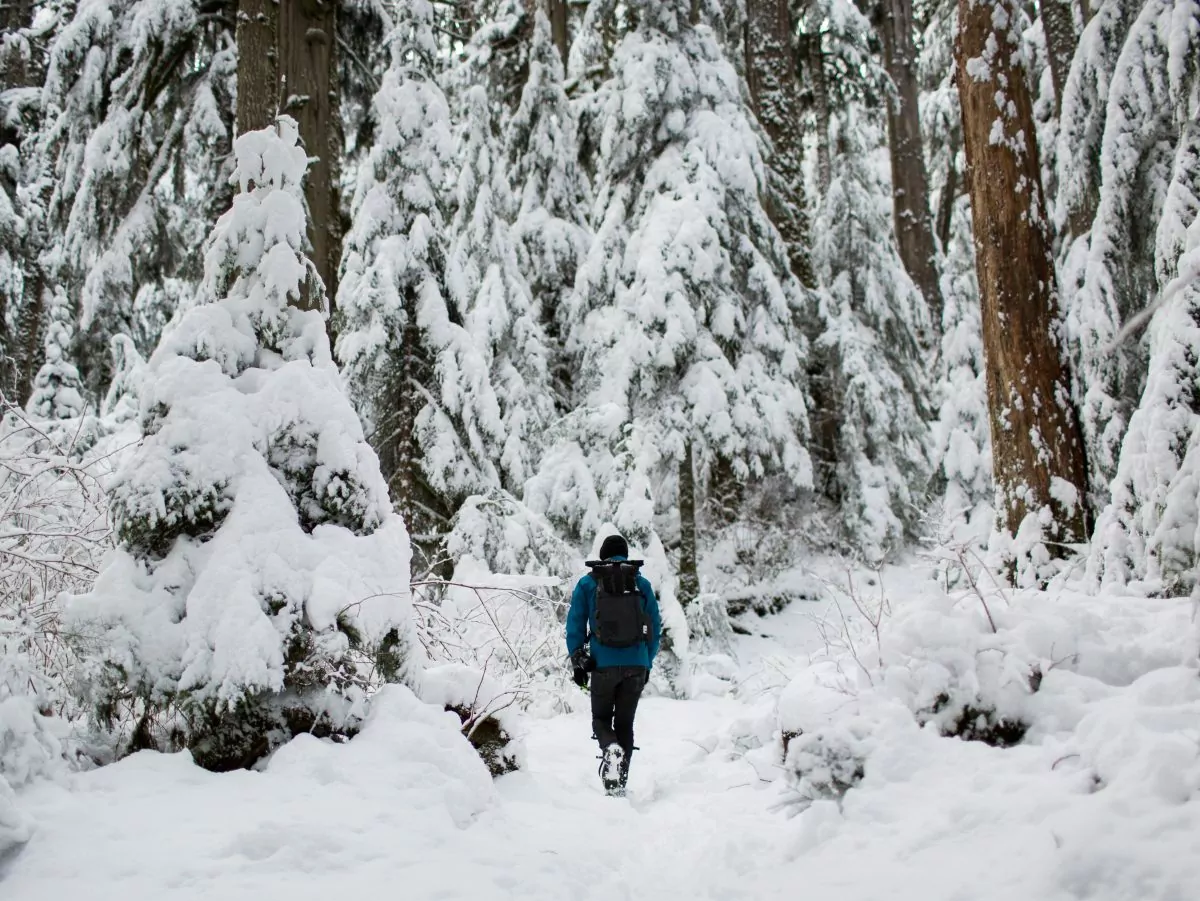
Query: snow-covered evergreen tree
[1082, 116]
[57, 390]
[493, 302]
[1151, 528]
[1117, 270]
[962, 444]
[138, 107]
[261, 583]
[394, 320]
[550, 229]
[684, 320]
[875, 322]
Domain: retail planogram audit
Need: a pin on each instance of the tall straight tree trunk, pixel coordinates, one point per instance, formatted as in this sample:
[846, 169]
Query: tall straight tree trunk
[689, 579]
[945, 213]
[910, 182]
[1037, 448]
[557, 14]
[1058, 24]
[258, 57]
[20, 351]
[287, 64]
[309, 85]
[771, 73]
[814, 61]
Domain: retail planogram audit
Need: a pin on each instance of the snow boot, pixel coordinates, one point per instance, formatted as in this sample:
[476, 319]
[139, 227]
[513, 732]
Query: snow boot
[611, 766]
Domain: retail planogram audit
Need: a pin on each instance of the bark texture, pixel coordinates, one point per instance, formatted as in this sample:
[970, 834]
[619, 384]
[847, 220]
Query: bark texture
[309, 87]
[1058, 24]
[20, 350]
[1037, 448]
[945, 214]
[287, 64]
[771, 74]
[813, 60]
[558, 28]
[910, 181]
[257, 74]
[689, 579]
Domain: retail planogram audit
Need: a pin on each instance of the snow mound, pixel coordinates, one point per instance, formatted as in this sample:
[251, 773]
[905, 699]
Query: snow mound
[997, 715]
[490, 720]
[385, 803]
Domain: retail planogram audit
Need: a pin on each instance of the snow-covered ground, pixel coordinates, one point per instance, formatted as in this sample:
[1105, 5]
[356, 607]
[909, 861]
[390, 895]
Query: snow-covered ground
[1099, 803]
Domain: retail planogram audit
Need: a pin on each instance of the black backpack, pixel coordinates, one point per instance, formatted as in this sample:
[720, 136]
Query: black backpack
[621, 620]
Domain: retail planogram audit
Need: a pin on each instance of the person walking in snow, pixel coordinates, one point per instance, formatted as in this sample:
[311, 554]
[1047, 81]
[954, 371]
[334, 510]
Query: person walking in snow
[613, 633]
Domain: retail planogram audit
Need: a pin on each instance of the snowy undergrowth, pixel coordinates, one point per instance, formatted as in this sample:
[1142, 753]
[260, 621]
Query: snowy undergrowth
[1061, 711]
[1097, 801]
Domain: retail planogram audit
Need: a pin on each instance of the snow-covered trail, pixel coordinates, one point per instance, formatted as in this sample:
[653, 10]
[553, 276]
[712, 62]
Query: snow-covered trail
[155, 827]
[695, 824]
[407, 811]
[388, 812]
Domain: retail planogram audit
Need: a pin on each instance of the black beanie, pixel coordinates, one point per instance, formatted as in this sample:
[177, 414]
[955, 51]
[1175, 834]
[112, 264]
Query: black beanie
[614, 546]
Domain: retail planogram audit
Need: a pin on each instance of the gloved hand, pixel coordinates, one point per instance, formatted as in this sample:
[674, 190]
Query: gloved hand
[582, 664]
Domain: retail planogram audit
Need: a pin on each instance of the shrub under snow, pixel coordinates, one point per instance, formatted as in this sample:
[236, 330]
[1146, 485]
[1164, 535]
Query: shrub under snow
[1106, 686]
[261, 582]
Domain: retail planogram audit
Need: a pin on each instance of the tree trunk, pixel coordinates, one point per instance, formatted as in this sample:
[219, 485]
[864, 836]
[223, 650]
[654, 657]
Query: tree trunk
[21, 350]
[814, 60]
[1037, 448]
[1058, 24]
[689, 580]
[910, 183]
[258, 57]
[309, 87]
[30, 325]
[771, 74]
[945, 214]
[558, 28]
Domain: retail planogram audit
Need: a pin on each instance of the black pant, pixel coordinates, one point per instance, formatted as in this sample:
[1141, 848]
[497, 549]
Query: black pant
[615, 692]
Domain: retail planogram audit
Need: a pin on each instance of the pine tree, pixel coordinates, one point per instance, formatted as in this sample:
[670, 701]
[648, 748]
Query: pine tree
[874, 324]
[553, 195]
[57, 390]
[261, 576]
[910, 181]
[492, 300]
[1117, 271]
[137, 110]
[394, 322]
[685, 314]
[962, 442]
[771, 76]
[1039, 467]
[1082, 116]
[1149, 530]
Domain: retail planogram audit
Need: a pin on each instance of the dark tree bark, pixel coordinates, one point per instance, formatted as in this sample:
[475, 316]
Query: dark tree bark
[1036, 441]
[20, 351]
[945, 214]
[1058, 24]
[910, 182]
[689, 580]
[813, 60]
[558, 27]
[309, 88]
[771, 74]
[258, 56]
[287, 64]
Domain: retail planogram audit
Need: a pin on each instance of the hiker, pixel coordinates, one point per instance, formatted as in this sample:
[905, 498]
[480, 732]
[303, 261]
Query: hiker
[613, 631]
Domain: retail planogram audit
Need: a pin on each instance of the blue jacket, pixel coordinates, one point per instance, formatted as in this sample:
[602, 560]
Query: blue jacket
[581, 622]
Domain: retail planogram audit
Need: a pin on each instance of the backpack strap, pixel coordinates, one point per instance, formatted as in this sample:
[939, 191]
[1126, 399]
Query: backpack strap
[616, 576]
